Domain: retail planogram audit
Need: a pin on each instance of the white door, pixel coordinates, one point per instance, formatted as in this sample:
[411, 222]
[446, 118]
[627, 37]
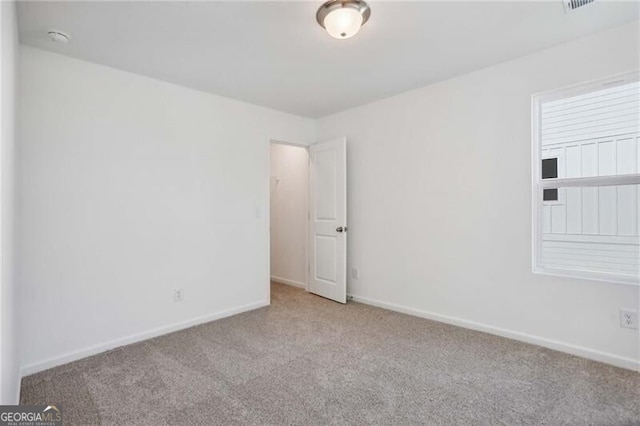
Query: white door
[328, 219]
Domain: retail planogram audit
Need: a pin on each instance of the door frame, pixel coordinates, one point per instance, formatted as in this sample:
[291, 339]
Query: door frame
[268, 212]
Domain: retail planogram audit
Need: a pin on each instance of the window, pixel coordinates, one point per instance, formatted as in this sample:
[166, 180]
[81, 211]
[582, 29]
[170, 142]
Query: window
[550, 194]
[550, 171]
[550, 168]
[586, 181]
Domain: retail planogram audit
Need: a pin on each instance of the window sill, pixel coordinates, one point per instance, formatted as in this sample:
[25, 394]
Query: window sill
[588, 275]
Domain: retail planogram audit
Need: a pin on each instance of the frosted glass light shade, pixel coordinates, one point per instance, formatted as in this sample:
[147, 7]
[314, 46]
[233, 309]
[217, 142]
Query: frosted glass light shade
[342, 23]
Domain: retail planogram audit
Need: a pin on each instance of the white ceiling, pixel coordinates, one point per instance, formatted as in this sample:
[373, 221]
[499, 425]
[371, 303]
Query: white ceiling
[274, 54]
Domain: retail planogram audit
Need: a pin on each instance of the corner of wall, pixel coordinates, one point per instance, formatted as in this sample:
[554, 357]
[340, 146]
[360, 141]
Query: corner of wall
[9, 363]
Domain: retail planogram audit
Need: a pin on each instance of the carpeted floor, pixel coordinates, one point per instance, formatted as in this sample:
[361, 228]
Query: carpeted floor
[305, 360]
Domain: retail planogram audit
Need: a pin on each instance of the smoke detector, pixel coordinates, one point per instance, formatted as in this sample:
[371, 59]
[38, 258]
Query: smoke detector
[58, 36]
[571, 5]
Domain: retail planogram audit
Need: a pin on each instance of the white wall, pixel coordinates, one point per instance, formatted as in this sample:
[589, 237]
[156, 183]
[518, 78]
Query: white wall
[440, 204]
[9, 368]
[129, 187]
[289, 213]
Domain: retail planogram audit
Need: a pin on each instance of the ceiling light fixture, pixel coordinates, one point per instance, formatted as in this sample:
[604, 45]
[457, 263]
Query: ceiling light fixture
[343, 18]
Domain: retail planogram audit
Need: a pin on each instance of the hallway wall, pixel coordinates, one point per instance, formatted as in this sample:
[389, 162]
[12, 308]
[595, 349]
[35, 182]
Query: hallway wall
[289, 213]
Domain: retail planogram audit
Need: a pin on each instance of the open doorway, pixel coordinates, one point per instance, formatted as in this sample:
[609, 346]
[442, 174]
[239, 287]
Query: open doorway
[289, 213]
[308, 216]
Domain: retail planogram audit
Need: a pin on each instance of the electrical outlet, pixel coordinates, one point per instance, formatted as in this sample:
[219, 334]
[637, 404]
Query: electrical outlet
[628, 318]
[178, 295]
[355, 273]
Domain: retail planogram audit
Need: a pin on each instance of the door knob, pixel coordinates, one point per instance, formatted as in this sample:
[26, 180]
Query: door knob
[340, 229]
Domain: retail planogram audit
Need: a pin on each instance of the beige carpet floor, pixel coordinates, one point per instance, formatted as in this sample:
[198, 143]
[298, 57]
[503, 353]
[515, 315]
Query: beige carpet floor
[305, 360]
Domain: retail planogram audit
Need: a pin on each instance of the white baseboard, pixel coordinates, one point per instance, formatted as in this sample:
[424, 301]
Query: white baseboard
[134, 338]
[607, 358]
[288, 282]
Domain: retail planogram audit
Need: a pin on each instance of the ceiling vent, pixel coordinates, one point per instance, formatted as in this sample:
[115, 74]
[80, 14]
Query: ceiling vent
[570, 5]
